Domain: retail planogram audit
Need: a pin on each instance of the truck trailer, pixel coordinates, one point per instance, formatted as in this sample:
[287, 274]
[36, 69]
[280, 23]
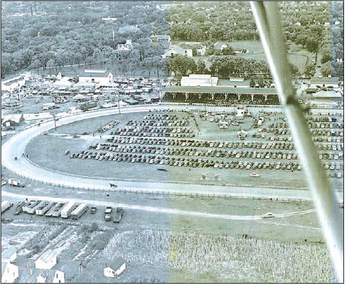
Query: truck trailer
[79, 211]
[66, 211]
[41, 211]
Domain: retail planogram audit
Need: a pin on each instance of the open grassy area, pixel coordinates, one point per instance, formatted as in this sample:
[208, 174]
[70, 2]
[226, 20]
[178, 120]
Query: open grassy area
[49, 151]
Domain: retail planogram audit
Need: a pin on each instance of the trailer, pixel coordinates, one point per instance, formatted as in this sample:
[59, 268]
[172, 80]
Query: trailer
[66, 211]
[38, 206]
[50, 212]
[43, 210]
[79, 211]
[5, 205]
[29, 205]
[57, 211]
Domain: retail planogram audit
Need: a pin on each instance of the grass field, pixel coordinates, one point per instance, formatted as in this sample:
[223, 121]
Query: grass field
[48, 150]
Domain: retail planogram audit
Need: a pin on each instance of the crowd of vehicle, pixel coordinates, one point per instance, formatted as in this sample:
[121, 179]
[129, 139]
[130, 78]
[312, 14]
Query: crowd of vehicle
[63, 210]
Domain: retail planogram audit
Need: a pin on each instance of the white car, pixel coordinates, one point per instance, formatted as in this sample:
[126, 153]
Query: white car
[254, 174]
[268, 215]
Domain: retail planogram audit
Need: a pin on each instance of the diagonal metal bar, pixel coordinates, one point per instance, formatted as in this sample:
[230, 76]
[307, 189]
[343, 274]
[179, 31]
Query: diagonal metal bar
[267, 17]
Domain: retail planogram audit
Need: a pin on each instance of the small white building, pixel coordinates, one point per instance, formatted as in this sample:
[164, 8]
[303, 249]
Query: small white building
[59, 277]
[119, 265]
[95, 77]
[9, 272]
[47, 260]
[126, 46]
[199, 80]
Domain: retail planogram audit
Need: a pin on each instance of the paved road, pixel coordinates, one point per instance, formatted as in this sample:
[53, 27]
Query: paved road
[15, 147]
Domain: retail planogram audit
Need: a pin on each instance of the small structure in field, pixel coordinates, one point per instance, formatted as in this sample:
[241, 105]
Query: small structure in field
[47, 260]
[59, 277]
[118, 266]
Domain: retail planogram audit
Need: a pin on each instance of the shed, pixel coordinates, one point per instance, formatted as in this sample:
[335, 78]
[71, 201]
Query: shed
[59, 277]
[47, 260]
[118, 266]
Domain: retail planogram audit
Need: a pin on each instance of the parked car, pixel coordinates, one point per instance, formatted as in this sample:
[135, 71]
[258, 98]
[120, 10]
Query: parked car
[93, 210]
[108, 214]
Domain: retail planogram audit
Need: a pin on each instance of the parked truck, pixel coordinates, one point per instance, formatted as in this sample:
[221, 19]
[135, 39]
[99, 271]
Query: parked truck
[5, 205]
[15, 183]
[41, 211]
[66, 211]
[79, 211]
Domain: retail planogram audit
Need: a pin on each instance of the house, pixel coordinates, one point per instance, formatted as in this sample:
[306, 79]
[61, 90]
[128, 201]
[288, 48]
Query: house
[92, 77]
[125, 46]
[199, 80]
[119, 265]
[59, 277]
[163, 40]
[9, 254]
[47, 260]
[10, 121]
[202, 50]
[9, 272]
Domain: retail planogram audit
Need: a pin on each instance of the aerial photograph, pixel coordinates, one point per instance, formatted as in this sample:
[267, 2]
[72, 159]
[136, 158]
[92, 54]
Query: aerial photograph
[172, 142]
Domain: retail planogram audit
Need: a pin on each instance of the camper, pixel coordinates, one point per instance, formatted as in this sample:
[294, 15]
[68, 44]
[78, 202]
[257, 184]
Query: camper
[66, 211]
[5, 205]
[44, 209]
[79, 211]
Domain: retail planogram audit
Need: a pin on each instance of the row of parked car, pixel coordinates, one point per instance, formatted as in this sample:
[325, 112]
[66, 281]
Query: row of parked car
[186, 162]
[201, 143]
[183, 132]
[185, 151]
[161, 123]
[108, 126]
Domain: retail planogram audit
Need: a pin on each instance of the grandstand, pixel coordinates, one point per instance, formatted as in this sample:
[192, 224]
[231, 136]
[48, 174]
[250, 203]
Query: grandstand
[221, 95]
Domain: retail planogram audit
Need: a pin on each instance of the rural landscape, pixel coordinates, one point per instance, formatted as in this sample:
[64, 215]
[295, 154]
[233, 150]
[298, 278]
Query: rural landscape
[145, 142]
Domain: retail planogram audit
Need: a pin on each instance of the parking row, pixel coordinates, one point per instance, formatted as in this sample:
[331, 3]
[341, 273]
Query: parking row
[315, 133]
[312, 125]
[182, 132]
[184, 151]
[185, 162]
[108, 126]
[161, 123]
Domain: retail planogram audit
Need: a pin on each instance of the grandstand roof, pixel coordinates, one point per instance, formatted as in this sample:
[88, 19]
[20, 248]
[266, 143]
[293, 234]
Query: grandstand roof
[220, 90]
